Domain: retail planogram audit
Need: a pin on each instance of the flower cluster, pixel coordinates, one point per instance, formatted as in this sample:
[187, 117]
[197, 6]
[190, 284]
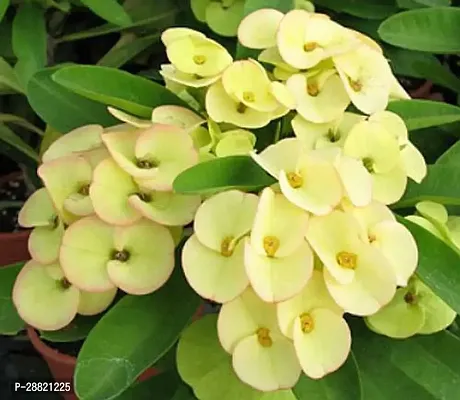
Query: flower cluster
[107, 217]
[289, 262]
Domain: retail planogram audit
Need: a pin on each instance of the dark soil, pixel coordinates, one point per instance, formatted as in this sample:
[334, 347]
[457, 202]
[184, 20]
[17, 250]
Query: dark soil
[11, 190]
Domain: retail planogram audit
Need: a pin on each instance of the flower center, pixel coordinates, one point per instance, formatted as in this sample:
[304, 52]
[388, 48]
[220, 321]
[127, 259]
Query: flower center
[347, 260]
[271, 245]
[54, 221]
[225, 246]
[146, 164]
[199, 59]
[410, 298]
[263, 336]
[369, 164]
[121, 256]
[310, 46]
[332, 136]
[357, 86]
[306, 323]
[84, 190]
[294, 180]
[241, 108]
[146, 197]
[250, 97]
[313, 89]
[64, 283]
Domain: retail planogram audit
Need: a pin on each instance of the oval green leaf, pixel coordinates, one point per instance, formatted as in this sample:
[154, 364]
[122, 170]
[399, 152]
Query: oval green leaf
[46, 96]
[9, 82]
[132, 336]
[29, 41]
[4, 4]
[8, 136]
[78, 329]
[451, 156]
[234, 172]
[438, 266]
[376, 9]
[10, 321]
[419, 114]
[120, 89]
[110, 10]
[439, 186]
[434, 30]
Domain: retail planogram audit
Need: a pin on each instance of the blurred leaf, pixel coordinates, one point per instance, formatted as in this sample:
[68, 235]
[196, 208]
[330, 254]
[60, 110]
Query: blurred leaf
[438, 186]
[418, 114]
[128, 47]
[422, 367]
[434, 30]
[343, 384]
[10, 204]
[438, 265]
[10, 321]
[8, 136]
[8, 80]
[14, 119]
[4, 4]
[110, 10]
[46, 97]
[376, 9]
[451, 156]
[254, 5]
[29, 41]
[120, 89]
[77, 330]
[234, 172]
[51, 135]
[146, 328]
[434, 3]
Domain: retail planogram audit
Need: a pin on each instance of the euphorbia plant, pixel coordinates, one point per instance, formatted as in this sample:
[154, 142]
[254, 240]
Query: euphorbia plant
[295, 239]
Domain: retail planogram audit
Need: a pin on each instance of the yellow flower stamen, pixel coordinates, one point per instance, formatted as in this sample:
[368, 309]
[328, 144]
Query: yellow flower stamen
[271, 245]
[307, 324]
[241, 108]
[263, 336]
[199, 59]
[313, 89]
[357, 86]
[250, 97]
[226, 246]
[347, 260]
[295, 180]
[310, 46]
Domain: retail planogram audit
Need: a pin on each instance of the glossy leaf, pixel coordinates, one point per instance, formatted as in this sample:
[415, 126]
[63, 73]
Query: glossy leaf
[8, 136]
[434, 30]
[78, 329]
[10, 322]
[110, 10]
[132, 336]
[451, 156]
[344, 384]
[29, 41]
[434, 3]
[46, 96]
[418, 114]
[234, 172]
[439, 186]
[422, 367]
[376, 9]
[19, 121]
[116, 88]
[4, 4]
[9, 82]
[439, 264]
[254, 5]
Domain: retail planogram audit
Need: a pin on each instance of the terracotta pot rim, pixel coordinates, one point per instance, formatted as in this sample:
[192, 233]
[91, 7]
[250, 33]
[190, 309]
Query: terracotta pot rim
[423, 90]
[48, 352]
[4, 236]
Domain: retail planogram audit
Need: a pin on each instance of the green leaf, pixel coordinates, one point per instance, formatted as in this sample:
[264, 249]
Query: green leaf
[434, 3]
[132, 336]
[46, 96]
[376, 9]
[207, 368]
[15, 120]
[120, 89]
[418, 114]
[10, 321]
[422, 367]
[9, 82]
[434, 30]
[254, 5]
[127, 49]
[166, 386]
[4, 4]
[451, 156]
[438, 265]
[109, 10]
[234, 172]
[10, 204]
[438, 186]
[344, 384]
[78, 329]
[29, 41]
[8, 136]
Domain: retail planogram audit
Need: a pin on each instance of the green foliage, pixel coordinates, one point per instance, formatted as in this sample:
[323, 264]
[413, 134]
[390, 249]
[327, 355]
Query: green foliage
[375, 9]
[10, 322]
[78, 329]
[8, 136]
[9, 82]
[109, 10]
[116, 88]
[234, 172]
[131, 337]
[434, 30]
